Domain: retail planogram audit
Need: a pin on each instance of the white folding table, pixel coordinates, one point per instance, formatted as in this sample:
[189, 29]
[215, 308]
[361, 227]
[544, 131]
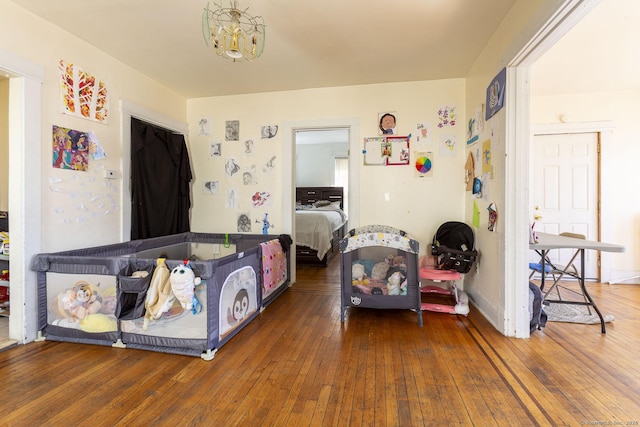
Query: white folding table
[547, 242]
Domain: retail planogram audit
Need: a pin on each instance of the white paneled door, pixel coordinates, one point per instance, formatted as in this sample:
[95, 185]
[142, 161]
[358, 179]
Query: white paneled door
[565, 188]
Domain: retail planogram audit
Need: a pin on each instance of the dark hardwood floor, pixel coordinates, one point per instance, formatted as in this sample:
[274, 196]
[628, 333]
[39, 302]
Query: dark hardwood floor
[298, 365]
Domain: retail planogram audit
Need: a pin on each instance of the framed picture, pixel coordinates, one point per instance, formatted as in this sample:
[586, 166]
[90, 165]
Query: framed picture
[373, 150]
[399, 150]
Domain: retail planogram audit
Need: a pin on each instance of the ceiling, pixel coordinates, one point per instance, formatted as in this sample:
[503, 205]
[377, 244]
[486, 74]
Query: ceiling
[314, 44]
[309, 44]
[598, 55]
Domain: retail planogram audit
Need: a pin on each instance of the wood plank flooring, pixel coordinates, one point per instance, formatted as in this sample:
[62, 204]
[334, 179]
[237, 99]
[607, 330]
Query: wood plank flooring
[298, 365]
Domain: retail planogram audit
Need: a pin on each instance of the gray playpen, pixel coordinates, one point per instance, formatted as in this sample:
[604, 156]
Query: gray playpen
[240, 274]
[379, 269]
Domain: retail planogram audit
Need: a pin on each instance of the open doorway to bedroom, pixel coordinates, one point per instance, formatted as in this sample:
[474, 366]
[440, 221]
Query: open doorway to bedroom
[322, 193]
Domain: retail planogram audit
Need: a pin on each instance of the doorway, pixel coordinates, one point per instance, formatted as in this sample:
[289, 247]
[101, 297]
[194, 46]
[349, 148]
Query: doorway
[565, 190]
[25, 173]
[289, 130]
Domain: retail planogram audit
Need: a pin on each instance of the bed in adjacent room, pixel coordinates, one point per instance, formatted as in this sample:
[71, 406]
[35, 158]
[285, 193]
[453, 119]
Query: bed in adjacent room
[320, 224]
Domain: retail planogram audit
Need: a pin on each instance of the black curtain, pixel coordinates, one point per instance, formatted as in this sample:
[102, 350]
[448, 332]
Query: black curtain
[160, 177]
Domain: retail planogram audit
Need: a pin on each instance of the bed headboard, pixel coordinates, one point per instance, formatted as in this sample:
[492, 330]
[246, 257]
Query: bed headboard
[309, 195]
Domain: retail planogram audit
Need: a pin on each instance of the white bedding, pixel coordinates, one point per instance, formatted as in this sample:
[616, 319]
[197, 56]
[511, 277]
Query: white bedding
[315, 227]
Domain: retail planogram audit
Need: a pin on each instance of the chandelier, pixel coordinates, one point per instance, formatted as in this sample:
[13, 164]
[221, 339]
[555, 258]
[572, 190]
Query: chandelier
[233, 33]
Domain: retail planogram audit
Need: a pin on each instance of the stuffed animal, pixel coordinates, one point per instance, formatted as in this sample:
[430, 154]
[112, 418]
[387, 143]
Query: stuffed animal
[159, 297]
[399, 262]
[357, 272]
[393, 286]
[99, 322]
[379, 271]
[183, 284]
[76, 303]
[85, 301]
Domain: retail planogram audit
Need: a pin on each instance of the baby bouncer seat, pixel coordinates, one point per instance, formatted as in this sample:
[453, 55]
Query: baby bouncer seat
[453, 251]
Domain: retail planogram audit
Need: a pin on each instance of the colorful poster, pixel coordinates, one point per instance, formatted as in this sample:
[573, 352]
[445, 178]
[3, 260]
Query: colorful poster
[423, 163]
[70, 149]
[495, 93]
[82, 94]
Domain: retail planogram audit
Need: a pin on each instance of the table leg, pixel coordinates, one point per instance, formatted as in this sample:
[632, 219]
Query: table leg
[586, 293]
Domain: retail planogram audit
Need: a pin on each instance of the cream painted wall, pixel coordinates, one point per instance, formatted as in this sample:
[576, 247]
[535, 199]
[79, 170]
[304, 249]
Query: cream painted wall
[416, 205]
[618, 160]
[498, 285]
[80, 208]
[4, 145]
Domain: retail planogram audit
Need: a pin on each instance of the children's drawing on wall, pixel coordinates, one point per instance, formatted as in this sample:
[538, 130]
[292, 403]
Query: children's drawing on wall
[266, 225]
[231, 167]
[70, 149]
[232, 130]
[448, 146]
[244, 223]
[469, 172]
[423, 135]
[423, 164]
[475, 220]
[204, 126]
[479, 119]
[248, 147]
[83, 94]
[231, 201]
[215, 149]
[96, 152]
[447, 116]
[387, 123]
[261, 198]
[487, 167]
[472, 136]
[484, 180]
[211, 187]
[248, 178]
[269, 131]
[269, 166]
[493, 217]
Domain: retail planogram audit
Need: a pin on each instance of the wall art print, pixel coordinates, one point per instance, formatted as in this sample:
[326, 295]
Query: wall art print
[83, 94]
[70, 149]
[495, 93]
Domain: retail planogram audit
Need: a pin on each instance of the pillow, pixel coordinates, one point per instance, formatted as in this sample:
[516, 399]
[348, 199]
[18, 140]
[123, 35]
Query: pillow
[335, 205]
[321, 203]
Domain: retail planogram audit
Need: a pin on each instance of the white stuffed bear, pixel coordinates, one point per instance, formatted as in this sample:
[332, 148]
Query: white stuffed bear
[357, 272]
[394, 285]
[379, 271]
[183, 284]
